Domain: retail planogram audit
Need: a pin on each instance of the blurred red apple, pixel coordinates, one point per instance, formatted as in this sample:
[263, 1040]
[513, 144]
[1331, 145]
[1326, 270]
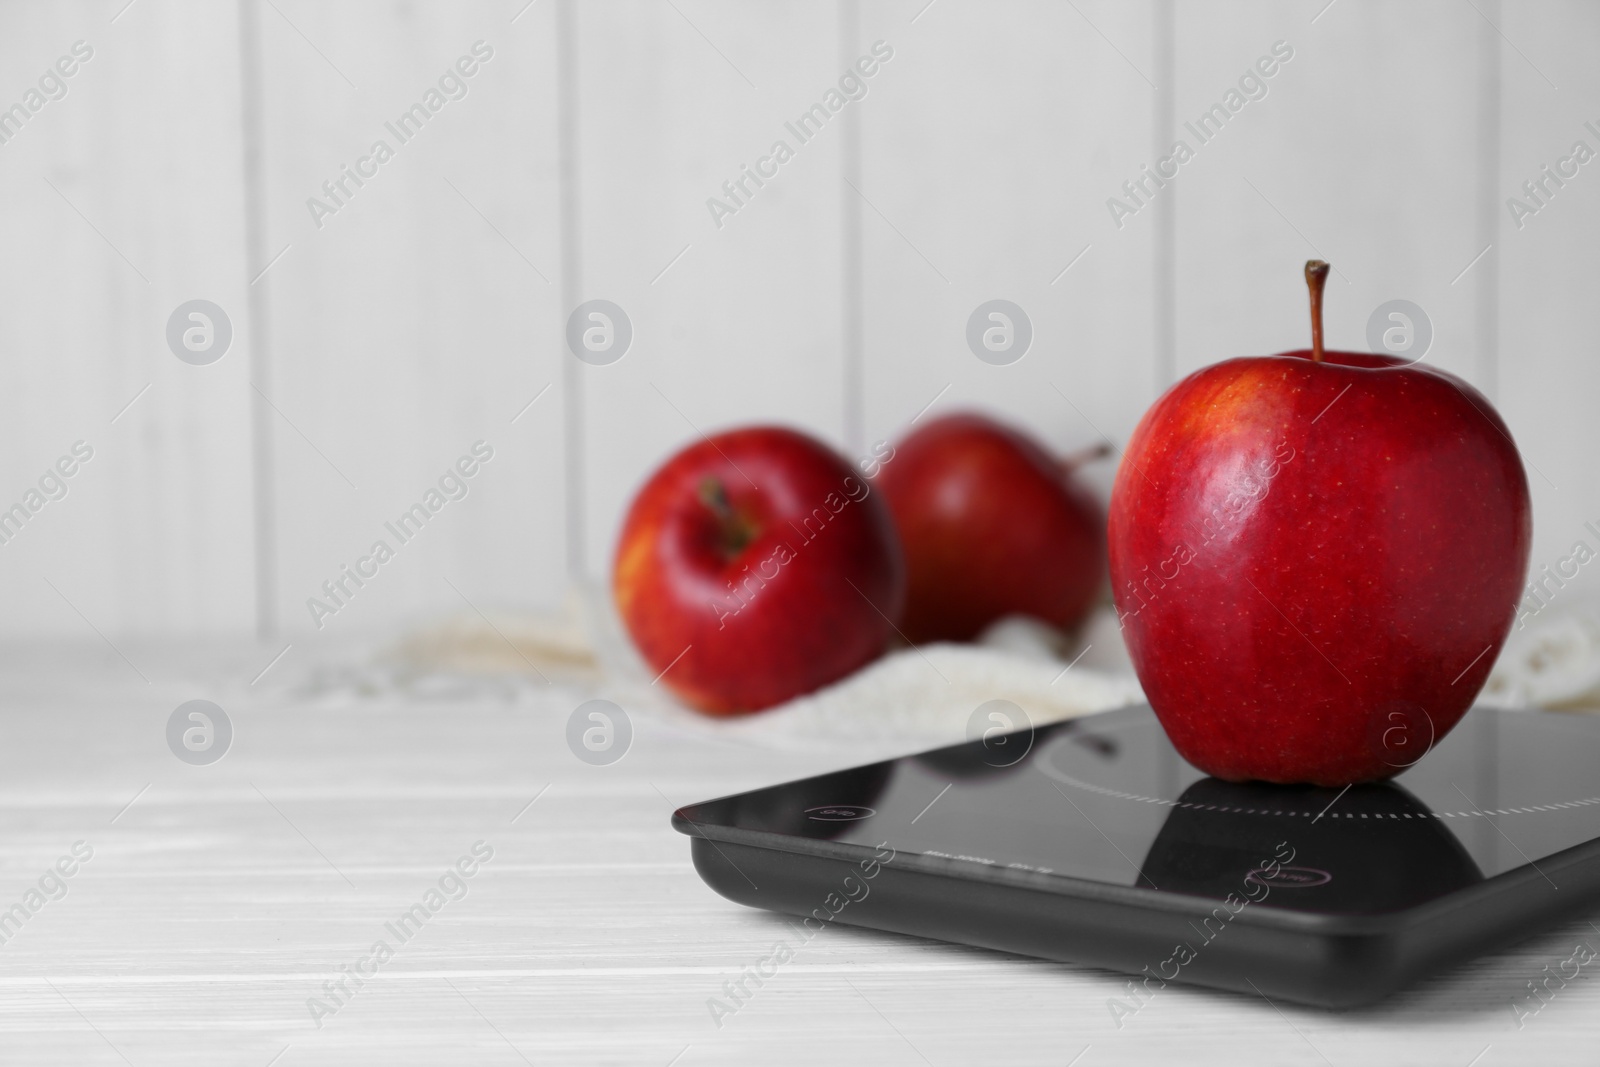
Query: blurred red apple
[992, 525]
[1316, 557]
[754, 566]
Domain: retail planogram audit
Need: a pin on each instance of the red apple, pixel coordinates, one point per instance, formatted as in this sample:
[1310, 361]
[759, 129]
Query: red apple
[992, 525]
[754, 566]
[1316, 557]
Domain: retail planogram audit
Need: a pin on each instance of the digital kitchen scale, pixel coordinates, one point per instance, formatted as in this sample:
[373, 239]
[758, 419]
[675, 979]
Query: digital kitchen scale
[1092, 841]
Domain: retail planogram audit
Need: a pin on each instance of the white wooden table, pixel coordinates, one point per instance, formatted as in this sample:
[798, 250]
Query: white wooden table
[220, 899]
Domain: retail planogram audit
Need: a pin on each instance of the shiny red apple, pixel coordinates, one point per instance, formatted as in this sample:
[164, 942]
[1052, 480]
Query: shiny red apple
[1316, 557]
[992, 525]
[754, 566]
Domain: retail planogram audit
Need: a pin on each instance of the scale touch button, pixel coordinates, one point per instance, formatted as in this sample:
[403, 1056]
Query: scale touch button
[839, 813]
[1289, 877]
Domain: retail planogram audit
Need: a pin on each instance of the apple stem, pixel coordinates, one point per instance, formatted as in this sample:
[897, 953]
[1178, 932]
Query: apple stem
[1316, 278]
[1073, 460]
[715, 496]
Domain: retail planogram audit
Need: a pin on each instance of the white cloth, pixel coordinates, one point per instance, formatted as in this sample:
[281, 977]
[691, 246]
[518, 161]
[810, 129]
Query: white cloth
[1552, 659]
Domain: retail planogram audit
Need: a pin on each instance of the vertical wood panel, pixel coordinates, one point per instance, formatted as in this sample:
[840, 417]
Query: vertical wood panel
[569, 106]
[423, 315]
[852, 281]
[992, 141]
[745, 326]
[1550, 357]
[1363, 152]
[258, 329]
[123, 201]
[1486, 277]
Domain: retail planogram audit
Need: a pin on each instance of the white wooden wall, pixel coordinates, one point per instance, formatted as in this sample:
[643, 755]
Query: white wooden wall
[428, 312]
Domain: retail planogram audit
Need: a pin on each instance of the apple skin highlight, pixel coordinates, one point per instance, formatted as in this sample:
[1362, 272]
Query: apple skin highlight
[1317, 562]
